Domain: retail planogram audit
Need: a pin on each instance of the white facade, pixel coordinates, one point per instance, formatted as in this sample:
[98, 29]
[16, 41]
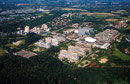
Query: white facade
[75, 49]
[55, 42]
[76, 31]
[60, 38]
[48, 40]
[21, 32]
[89, 39]
[26, 29]
[104, 46]
[43, 44]
[69, 55]
[44, 26]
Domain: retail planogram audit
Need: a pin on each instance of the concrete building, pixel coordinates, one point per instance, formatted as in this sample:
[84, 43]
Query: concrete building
[106, 36]
[48, 40]
[102, 46]
[69, 55]
[72, 36]
[43, 44]
[75, 25]
[44, 27]
[60, 38]
[74, 52]
[36, 30]
[68, 31]
[21, 32]
[90, 40]
[76, 49]
[55, 42]
[83, 31]
[87, 46]
[67, 15]
[26, 30]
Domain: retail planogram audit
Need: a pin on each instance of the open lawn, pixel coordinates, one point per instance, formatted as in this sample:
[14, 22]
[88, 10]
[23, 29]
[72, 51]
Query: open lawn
[111, 20]
[2, 52]
[98, 14]
[127, 18]
[121, 55]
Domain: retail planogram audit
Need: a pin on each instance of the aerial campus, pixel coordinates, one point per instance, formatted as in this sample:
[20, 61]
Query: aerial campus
[75, 36]
[81, 36]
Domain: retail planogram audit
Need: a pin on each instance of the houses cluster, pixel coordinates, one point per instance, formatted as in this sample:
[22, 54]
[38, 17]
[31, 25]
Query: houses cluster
[65, 20]
[60, 22]
[119, 24]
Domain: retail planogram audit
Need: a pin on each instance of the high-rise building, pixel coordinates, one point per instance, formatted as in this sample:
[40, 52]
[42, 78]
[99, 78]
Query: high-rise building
[44, 27]
[26, 30]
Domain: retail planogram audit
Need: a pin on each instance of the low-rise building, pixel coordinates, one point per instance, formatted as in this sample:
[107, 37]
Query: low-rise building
[102, 46]
[85, 45]
[68, 31]
[55, 42]
[69, 55]
[20, 32]
[60, 38]
[106, 36]
[76, 49]
[83, 31]
[72, 36]
[48, 40]
[43, 44]
[75, 25]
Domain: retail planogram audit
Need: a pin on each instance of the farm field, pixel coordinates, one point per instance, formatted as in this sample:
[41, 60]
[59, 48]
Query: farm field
[73, 9]
[98, 14]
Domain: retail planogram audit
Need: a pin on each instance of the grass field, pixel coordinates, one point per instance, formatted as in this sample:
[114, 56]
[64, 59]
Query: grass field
[2, 52]
[121, 55]
[98, 14]
[73, 9]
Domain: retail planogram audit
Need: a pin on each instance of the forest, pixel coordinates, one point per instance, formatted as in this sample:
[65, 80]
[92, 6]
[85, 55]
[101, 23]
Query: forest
[46, 68]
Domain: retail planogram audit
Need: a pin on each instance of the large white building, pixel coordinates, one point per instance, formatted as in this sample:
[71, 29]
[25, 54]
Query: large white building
[43, 44]
[21, 32]
[90, 40]
[103, 46]
[75, 49]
